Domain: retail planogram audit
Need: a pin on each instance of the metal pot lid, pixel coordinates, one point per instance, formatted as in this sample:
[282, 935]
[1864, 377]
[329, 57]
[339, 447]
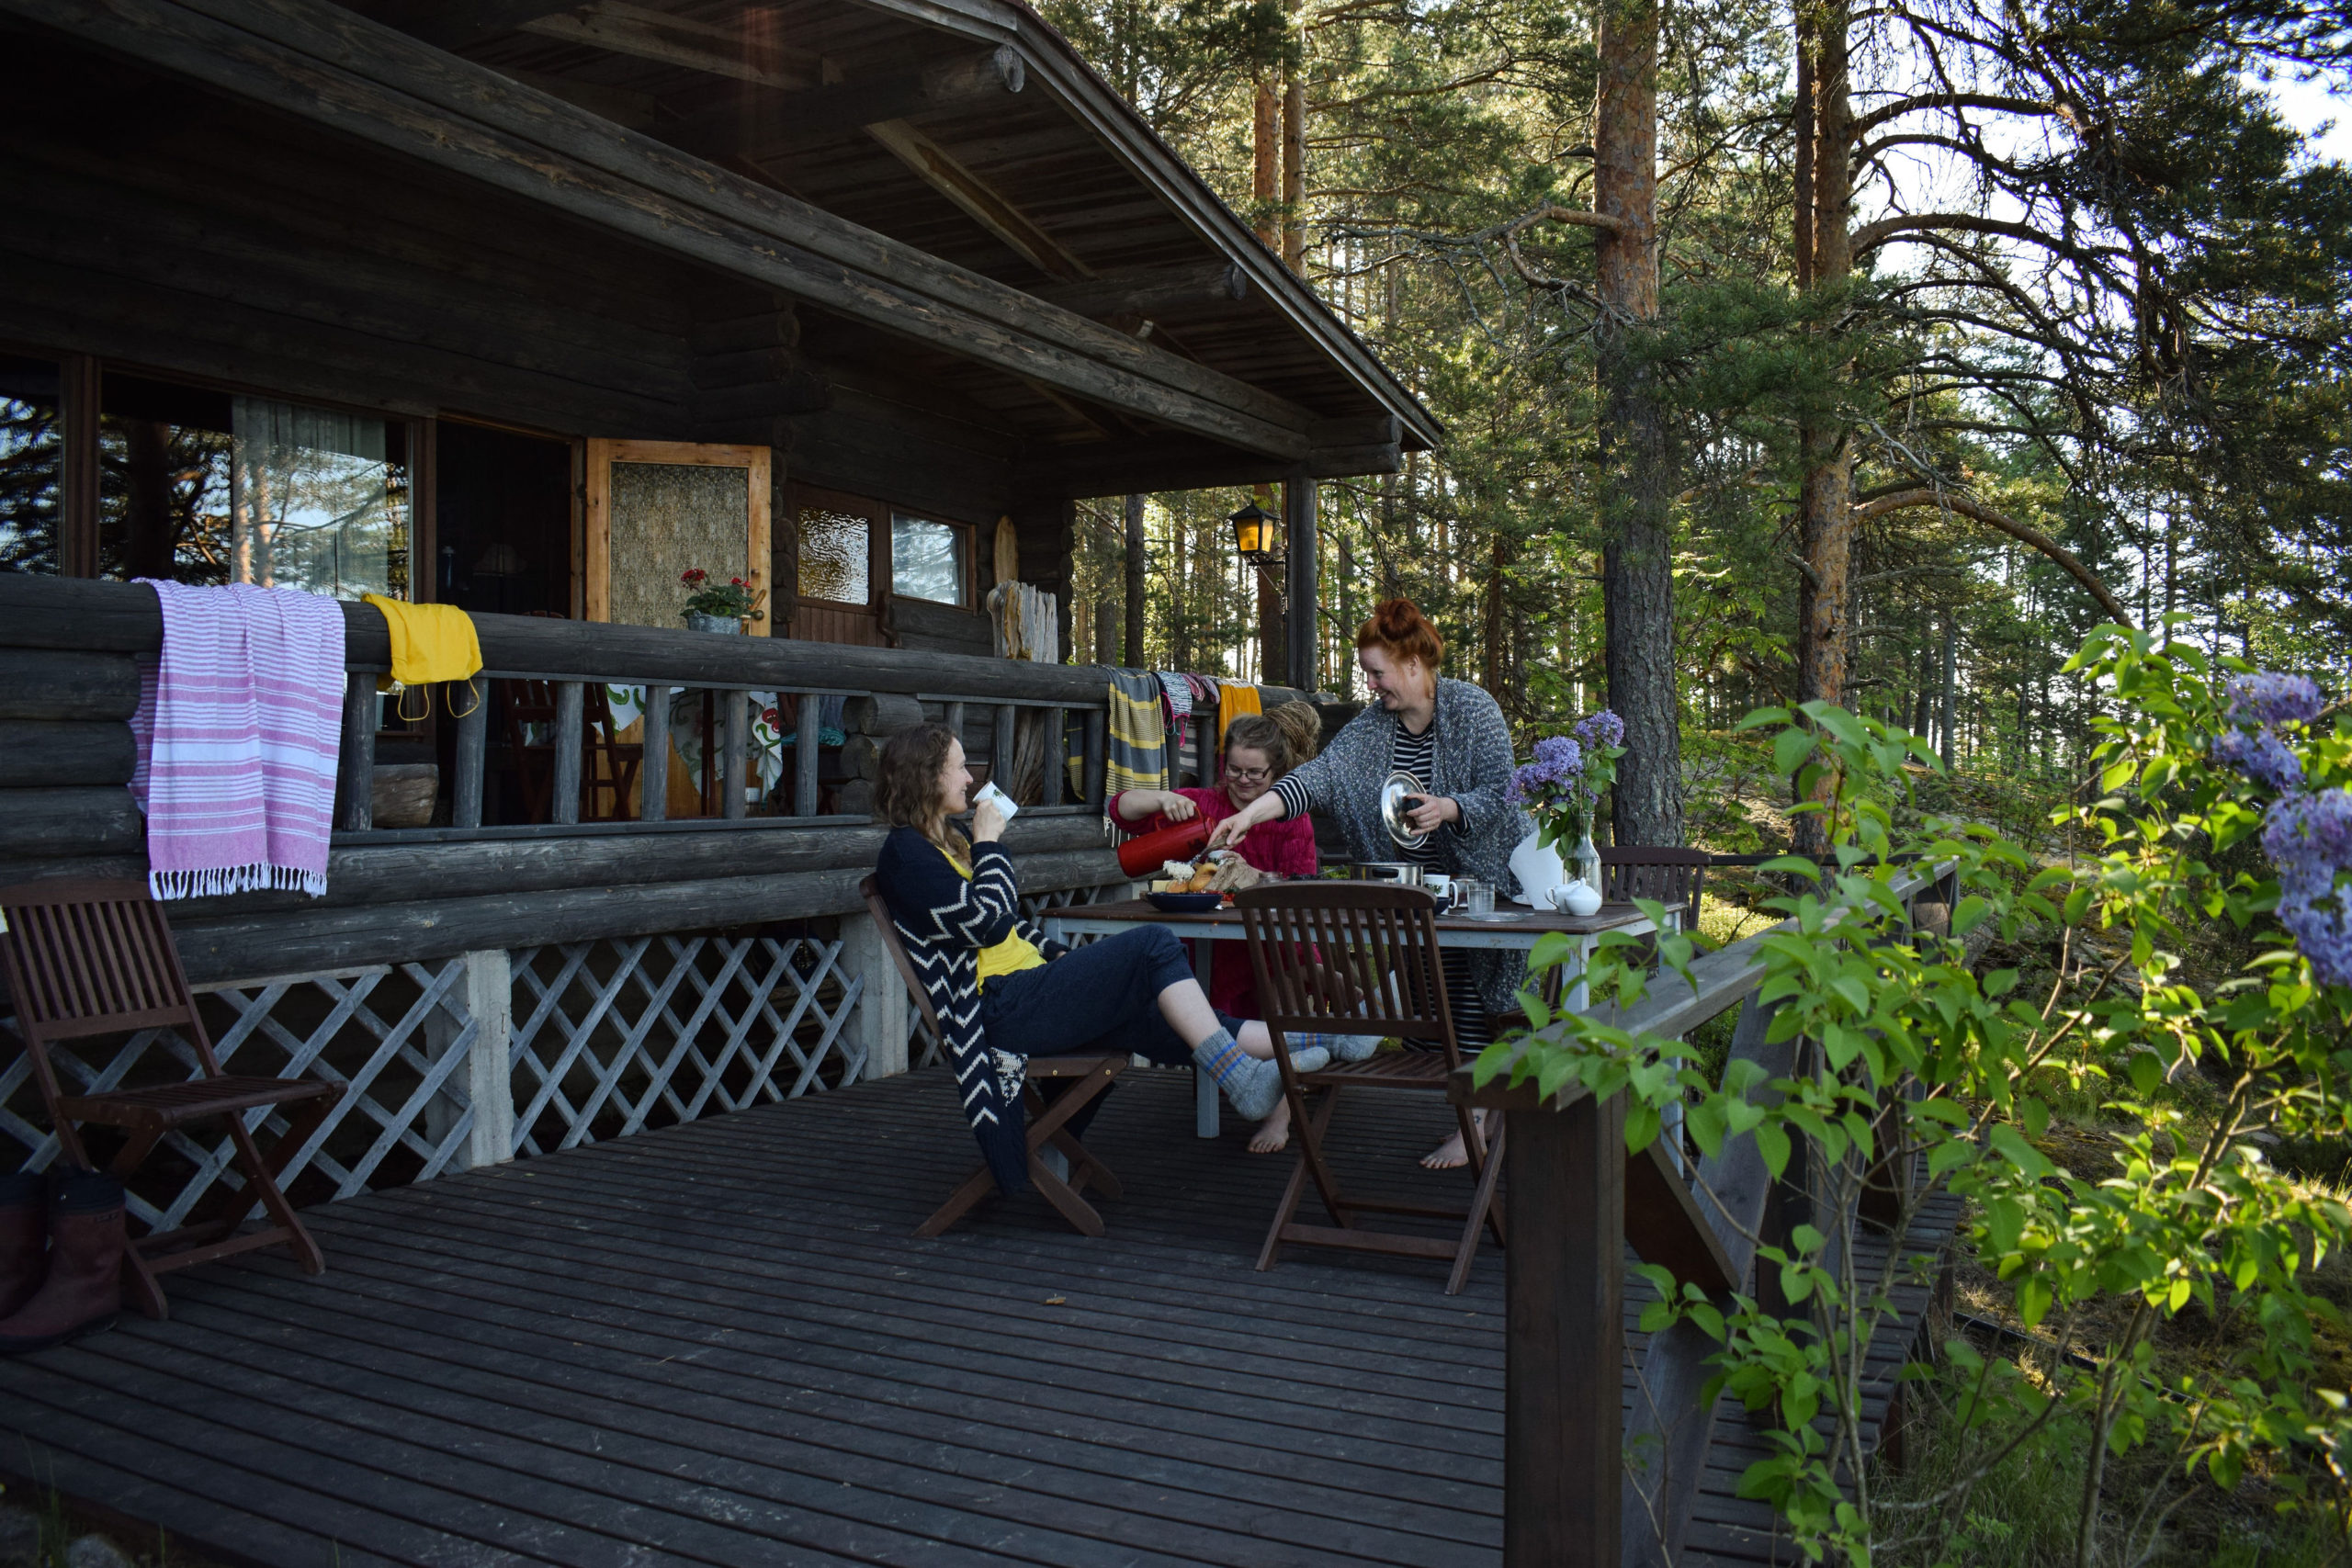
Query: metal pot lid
[1393, 791]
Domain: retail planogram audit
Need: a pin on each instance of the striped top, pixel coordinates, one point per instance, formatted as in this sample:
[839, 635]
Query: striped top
[1411, 754]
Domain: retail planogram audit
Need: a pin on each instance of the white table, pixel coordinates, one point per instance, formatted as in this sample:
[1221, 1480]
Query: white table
[1518, 933]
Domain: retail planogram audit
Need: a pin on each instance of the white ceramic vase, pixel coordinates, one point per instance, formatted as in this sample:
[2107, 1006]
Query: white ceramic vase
[1538, 869]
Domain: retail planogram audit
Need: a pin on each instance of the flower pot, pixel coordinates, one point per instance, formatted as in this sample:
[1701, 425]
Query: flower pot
[726, 625]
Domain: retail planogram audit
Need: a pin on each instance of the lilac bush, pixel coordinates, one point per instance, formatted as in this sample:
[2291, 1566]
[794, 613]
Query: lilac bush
[2307, 834]
[1563, 782]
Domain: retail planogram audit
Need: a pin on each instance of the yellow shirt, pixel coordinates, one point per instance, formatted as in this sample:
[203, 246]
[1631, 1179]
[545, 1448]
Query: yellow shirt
[1012, 955]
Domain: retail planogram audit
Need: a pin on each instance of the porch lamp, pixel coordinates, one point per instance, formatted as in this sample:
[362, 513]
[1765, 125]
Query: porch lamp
[1254, 536]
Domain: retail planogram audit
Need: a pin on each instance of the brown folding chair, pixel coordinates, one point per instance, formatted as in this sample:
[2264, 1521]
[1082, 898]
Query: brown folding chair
[534, 702]
[1675, 877]
[1362, 958]
[1087, 1077]
[86, 958]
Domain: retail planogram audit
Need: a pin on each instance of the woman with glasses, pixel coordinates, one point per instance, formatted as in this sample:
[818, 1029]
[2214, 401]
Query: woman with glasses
[1258, 750]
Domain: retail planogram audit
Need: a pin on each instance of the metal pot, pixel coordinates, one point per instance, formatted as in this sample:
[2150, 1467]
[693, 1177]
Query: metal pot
[1397, 873]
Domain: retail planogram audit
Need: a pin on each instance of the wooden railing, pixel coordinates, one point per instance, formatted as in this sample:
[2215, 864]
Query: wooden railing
[1583, 1487]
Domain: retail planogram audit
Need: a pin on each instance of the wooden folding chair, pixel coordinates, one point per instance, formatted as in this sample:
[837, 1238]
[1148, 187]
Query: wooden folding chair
[1087, 1078]
[84, 958]
[1675, 877]
[534, 702]
[1362, 958]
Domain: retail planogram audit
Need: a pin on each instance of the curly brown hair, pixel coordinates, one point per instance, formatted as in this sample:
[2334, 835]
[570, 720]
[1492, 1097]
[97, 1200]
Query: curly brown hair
[906, 793]
[1288, 734]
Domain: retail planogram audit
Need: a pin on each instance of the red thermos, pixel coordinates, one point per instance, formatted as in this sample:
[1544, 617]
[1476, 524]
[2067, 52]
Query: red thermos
[1142, 856]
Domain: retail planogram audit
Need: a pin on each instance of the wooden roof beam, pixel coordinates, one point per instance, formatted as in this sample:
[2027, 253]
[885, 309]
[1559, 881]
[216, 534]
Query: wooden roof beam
[316, 61]
[618, 28]
[771, 125]
[1152, 292]
[937, 168]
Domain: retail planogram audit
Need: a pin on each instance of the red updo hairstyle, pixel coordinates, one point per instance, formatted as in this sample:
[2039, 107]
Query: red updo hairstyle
[1398, 628]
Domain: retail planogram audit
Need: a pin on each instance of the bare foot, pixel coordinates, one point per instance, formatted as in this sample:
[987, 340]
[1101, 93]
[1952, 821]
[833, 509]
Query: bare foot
[1273, 1133]
[1450, 1155]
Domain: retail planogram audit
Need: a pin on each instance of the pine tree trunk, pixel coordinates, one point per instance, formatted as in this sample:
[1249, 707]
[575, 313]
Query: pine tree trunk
[1636, 449]
[1826, 525]
[1295, 170]
[1135, 582]
[1265, 137]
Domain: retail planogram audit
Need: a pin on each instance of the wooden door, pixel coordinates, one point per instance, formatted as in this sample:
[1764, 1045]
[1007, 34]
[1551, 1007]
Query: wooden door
[657, 509]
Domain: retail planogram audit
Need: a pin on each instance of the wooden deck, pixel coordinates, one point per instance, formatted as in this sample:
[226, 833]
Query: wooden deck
[718, 1344]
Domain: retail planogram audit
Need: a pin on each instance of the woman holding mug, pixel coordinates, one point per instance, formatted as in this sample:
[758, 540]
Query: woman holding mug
[1452, 737]
[1003, 992]
[1260, 750]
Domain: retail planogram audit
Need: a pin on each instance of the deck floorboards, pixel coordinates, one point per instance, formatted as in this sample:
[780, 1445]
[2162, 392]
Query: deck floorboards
[720, 1344]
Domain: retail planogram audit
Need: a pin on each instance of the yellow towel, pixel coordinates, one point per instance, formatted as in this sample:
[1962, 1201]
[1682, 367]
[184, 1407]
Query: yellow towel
[431, 643]
[1232, 701]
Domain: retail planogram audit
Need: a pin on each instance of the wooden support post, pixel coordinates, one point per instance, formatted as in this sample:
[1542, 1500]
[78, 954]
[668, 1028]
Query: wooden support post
[1303, 626]
[955, 720]
[653, 775]
[1205, 739]
[1562, 1403]
[734, 753]
[472, 755]
[882, 1022]
[1056, 755]
[356, 779]
[563, 800]
[1000, 748]
[1091, 776]
[804, 743]
[486, 992]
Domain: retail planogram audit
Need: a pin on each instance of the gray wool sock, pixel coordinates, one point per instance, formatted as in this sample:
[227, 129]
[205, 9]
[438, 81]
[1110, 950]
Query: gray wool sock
[1344, 1047]
[1308, 1059]
[1253, 1083]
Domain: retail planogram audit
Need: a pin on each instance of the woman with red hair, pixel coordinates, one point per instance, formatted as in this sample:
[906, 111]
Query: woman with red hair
[1452, 737]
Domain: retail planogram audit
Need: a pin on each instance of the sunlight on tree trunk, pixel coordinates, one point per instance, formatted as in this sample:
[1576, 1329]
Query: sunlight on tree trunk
[1636, 452]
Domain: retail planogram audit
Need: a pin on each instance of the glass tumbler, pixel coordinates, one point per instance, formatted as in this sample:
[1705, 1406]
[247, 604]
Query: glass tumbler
[1472, 897]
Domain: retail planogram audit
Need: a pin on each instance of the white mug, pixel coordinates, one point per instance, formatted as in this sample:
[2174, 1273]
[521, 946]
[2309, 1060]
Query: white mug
[1440, 887]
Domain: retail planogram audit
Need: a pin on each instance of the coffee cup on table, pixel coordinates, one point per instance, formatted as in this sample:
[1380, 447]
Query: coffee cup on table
[1440, 887]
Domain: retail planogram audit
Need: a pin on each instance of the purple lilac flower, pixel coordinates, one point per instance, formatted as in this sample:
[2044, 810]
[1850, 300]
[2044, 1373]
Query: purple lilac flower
[1559, 762]
[2272, 697]
[2309, 838]
[1601, 731]
[2262, 757]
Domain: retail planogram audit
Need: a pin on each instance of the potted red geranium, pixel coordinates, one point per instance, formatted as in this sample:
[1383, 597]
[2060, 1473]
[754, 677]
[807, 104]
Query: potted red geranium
[719, 607]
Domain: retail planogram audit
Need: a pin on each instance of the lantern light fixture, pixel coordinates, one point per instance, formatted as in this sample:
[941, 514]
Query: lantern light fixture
[1254, 534]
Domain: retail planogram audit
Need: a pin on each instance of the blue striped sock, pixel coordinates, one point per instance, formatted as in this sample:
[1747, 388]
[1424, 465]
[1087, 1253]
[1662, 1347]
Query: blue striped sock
[1252, 1083]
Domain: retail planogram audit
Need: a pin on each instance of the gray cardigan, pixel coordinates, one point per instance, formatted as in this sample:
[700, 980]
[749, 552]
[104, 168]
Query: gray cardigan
[1473, 765]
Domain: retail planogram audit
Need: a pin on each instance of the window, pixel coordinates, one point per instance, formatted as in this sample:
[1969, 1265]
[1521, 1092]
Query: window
[32, 465]
[211, 487]
[833, 556]
[926, 560]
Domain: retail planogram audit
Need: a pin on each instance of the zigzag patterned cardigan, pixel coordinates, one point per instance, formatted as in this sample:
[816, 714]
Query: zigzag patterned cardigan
[943, 920]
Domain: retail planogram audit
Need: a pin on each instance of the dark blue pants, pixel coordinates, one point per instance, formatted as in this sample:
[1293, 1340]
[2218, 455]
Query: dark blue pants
[1100, 999]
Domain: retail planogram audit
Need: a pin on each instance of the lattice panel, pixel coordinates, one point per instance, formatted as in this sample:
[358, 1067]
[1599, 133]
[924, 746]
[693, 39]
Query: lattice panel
[613, 1037]
[396, 1038]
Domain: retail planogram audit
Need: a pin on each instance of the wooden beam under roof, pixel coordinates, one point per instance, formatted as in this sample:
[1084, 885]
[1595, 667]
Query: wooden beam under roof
[939, 169]
[317, 61]
[774, 124]
[619, 27]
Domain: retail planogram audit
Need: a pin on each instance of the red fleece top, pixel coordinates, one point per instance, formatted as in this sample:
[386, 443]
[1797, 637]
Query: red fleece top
[1284, 848]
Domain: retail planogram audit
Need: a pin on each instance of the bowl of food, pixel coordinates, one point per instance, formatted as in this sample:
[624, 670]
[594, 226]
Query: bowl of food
[1185, 903]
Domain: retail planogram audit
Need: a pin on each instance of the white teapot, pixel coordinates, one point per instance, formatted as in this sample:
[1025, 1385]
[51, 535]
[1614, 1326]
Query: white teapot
[1574, 898]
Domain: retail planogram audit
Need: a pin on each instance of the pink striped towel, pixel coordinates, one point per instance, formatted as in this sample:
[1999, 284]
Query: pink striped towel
[237, 727]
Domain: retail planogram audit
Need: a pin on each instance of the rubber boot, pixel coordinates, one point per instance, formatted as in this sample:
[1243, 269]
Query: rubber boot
[23, 1237]
[82, 1289]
